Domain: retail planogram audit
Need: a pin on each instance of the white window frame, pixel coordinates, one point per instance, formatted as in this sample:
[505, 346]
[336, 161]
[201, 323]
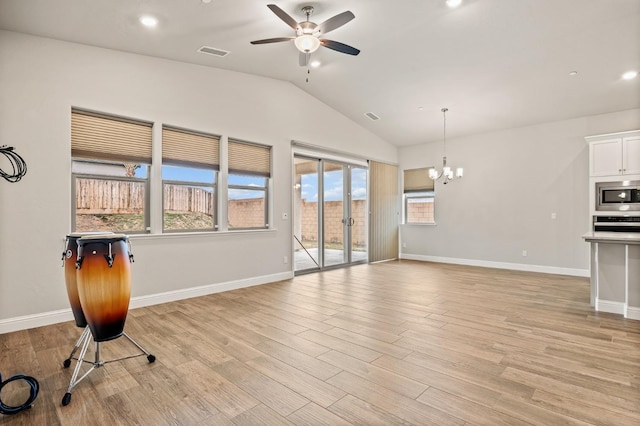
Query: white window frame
[105, 177]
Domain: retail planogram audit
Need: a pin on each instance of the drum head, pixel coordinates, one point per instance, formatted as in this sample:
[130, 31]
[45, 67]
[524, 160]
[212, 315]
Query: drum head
[102, 238]
[86, 234]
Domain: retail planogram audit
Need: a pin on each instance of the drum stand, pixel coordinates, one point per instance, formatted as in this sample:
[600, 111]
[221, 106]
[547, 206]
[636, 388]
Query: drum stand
[83, 345]
[67, 362]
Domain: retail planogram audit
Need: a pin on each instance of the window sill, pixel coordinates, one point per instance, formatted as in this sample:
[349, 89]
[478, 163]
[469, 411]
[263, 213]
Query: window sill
[170, 235]
[420, 224]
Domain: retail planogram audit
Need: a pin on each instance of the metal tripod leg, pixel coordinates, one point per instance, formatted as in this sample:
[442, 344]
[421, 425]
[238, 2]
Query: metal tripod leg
[150, 358]
[67, 362]
[66, 399]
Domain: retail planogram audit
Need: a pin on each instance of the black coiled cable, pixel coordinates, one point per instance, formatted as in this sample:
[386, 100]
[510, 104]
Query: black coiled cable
[33, 392]
[18, 165]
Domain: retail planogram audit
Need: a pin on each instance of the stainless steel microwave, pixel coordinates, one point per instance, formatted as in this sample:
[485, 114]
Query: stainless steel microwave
[618, 196]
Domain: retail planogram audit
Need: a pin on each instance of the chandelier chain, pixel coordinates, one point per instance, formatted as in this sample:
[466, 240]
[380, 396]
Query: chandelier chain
[444, 132]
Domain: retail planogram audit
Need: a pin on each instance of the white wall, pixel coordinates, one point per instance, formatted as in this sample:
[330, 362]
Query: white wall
[514, 180]
[41, 79]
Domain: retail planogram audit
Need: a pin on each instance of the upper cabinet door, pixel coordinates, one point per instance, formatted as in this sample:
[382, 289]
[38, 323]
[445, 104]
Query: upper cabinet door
[605, 157]
[631, 155]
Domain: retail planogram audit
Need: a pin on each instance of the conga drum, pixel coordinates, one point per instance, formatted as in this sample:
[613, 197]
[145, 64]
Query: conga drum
[104, 283]
[69, 259]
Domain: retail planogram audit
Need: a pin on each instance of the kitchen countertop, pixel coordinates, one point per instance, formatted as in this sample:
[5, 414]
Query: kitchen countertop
[613, 237]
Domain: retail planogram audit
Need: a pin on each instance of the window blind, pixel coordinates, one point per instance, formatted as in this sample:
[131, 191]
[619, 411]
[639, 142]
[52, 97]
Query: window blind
[192, 149]
[417, 180]
[104, 137]
[384, 215]
[249, 159]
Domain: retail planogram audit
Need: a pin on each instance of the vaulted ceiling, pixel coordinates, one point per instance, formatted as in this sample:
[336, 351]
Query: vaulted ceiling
[496, 64]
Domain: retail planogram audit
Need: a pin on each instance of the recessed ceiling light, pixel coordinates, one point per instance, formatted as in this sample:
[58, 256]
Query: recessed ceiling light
[148, 21]
[630, 75]
[454, 3]
[315, 64]
[206, 1]
[420, 108]
[572, 73]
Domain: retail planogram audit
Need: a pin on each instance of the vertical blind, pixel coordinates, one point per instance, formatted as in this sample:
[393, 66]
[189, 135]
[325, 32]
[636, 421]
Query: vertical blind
[249, 159]
[188, 148]
[105, 137]
[417, 180]
[385, 216]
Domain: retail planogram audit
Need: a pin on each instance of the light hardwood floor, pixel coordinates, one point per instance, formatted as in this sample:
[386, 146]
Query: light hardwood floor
[399, 342]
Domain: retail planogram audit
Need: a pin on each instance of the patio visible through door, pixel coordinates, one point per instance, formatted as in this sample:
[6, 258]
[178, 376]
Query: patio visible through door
[330, 214]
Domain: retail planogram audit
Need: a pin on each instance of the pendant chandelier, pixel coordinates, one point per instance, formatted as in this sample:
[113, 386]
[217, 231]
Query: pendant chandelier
[446, 174]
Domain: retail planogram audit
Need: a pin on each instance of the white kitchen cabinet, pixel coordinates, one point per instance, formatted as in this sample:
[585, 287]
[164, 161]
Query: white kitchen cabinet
[631, 155]
[614, 154]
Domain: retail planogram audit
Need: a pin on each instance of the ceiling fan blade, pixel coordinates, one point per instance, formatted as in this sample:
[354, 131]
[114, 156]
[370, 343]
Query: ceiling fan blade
[284, 16]
[339, 47]
[303, 59]
[336, 22]
[272, 40]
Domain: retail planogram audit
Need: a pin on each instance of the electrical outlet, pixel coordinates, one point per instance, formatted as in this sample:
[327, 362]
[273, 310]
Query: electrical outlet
[404, 245]
[554, 216]
[285, 260]
[524, 253]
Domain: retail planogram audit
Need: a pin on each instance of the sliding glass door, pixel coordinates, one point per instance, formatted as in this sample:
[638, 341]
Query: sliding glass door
[330, 220]
[334, 216]
[306, 219]
[358, 215]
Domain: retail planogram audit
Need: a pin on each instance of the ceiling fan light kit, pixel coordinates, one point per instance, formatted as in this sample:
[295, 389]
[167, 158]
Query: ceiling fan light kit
[308, 34]
[307, 43]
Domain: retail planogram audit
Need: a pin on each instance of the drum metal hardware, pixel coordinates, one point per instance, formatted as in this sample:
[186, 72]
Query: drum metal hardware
[109, 258]
[130, 251]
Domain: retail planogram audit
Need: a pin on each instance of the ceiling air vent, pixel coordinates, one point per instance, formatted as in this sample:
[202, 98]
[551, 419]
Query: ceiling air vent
[213, 51]
[371, 116]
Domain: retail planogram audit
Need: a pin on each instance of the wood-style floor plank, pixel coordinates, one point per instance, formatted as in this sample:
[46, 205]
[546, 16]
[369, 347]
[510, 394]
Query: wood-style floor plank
[394, 343]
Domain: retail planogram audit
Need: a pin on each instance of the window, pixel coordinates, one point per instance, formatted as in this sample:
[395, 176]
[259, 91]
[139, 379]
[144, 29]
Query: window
[190, 163]
[419, 196]
[248, 185]
[110, 173]
[112, 178]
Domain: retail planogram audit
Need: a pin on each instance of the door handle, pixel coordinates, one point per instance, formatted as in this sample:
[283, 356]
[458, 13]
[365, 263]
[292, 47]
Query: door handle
[351, 221]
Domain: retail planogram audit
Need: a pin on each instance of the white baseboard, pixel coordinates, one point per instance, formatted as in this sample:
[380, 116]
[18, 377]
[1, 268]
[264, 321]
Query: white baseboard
[63, 315]
[499, 265]
[633, 313]
[610, 306]
[35, 320]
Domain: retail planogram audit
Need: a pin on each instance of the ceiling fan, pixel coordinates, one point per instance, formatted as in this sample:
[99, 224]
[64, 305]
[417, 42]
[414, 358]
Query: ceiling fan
[308, 34]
